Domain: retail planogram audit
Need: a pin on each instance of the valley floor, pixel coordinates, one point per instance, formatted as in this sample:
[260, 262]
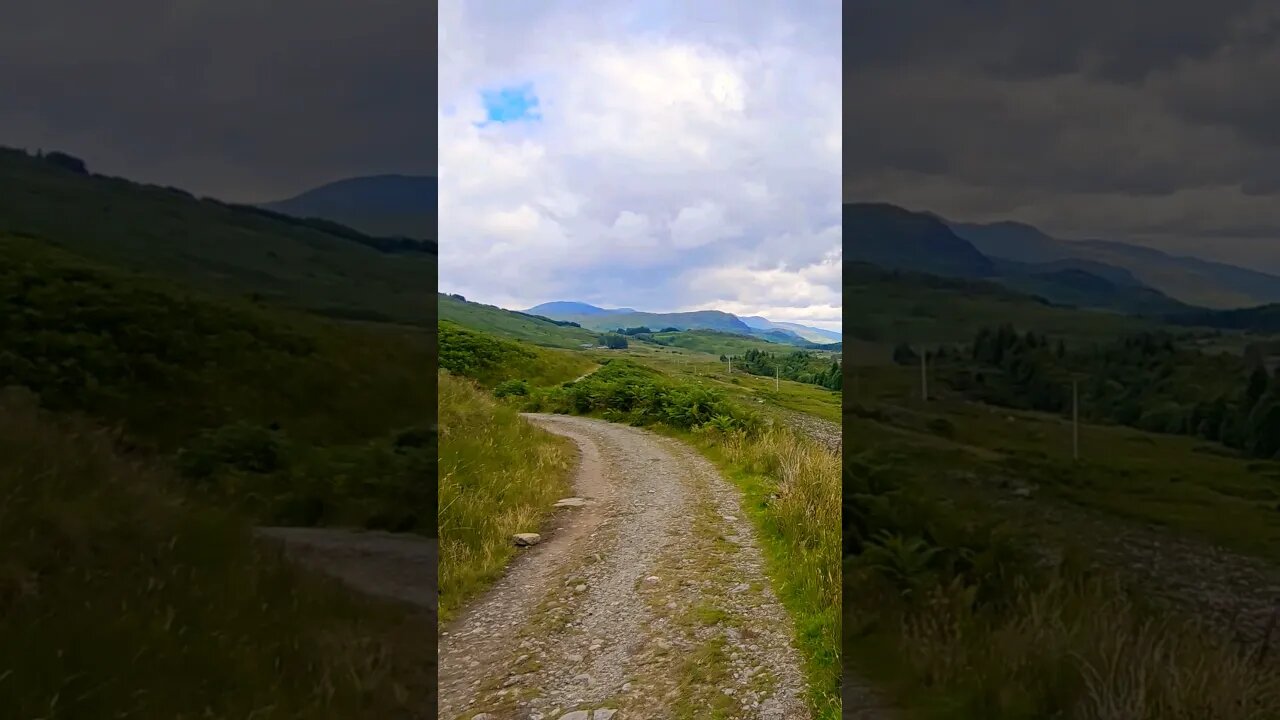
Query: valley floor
[650, 599]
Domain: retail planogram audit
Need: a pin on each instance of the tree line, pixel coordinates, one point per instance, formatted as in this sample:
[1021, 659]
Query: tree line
[1149, 381]
[799, 366]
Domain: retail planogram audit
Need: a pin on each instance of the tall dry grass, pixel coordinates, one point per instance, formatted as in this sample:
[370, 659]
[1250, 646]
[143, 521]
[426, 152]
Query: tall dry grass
[499, 475]
[791, 486]
[119, 597]
[1068, 645]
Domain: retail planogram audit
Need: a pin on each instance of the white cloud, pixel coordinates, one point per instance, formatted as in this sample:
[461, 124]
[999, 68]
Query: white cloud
[680, 149]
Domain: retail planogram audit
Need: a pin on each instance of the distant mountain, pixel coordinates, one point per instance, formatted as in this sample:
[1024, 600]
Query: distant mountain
[894, 238]
[697, 320]
[598, 318]
[807, 332]
[898, 239]
[392, 205]
[566, 307]
[210, 245]
[1190, 280]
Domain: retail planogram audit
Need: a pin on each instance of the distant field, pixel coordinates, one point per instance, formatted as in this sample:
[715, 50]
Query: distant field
[719, 343]
[1183, 483]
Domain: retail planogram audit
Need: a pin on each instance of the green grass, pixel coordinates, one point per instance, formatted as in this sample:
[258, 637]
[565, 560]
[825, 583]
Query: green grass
[512, 325]
[1182, 483]
[718, 343]
[291, 417]
[790, 489]
[211, 246]
[1034, 642]
[490, 360]
[118, 598]
[499, 475]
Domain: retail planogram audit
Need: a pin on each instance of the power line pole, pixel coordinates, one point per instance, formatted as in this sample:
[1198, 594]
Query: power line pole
[730, 364]
[777, 378]
[1075, 420]
[924, 377]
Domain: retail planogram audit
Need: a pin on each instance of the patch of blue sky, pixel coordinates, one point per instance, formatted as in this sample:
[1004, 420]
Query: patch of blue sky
[516, 103]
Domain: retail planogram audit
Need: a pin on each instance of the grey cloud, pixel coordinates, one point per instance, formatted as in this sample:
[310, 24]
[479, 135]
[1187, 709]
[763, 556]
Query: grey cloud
[1098, 118]
[242, 100]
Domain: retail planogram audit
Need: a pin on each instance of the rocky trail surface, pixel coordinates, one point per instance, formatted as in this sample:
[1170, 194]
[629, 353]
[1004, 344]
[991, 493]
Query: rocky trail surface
[823, 432]
[648, 600]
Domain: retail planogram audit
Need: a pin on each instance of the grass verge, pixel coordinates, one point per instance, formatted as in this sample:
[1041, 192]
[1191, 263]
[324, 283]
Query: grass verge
[499, 475]
[119, 599]
[790, 490]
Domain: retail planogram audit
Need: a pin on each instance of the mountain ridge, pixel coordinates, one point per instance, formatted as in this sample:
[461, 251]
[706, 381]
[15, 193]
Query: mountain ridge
[598, 318]
[388, 204]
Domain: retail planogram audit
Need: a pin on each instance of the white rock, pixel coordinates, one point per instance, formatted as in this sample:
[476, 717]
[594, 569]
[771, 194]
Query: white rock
[570, 502]
[580, 588]
[652, 579]
[603, 714]
[526, 539]
[576, 715]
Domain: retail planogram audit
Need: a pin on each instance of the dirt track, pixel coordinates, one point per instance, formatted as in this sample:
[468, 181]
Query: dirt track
[650, 600]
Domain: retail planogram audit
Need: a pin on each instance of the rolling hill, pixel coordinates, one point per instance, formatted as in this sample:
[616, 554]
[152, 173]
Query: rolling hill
[884, 307]
[598, 318]
[1190, 280]
[808, 332]
[213, 246]
[512, 324]
[898, 239]
[392, 205]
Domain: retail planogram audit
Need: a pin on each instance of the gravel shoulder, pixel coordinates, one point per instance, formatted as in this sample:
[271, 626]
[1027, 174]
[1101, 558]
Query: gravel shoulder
[650, 600]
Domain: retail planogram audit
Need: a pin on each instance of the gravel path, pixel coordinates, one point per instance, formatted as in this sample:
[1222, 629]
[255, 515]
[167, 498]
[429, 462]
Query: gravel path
[395, 566]
[649, 601]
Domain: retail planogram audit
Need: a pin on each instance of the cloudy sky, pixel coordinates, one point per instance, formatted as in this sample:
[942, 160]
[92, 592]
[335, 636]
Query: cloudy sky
[1119, 119]
[660, 155]
[240, 99]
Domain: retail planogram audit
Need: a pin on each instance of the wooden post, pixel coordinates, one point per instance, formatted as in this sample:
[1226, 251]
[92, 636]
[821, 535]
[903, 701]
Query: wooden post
[730, 364]
[777, 378]
[924, 377]
[1075, 420]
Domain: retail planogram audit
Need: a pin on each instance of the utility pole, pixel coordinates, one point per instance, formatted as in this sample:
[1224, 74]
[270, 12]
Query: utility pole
[1075, 420]
[730, 364]
[777, 378]
[924, 377]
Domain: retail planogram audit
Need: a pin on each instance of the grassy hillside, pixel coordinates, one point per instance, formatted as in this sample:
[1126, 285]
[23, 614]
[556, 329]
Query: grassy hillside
[120, 598]
[491, 360]
[717, 343]
[948, 507]
[887, 307]
[513, 325]
[166, 232]
[267, 408]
